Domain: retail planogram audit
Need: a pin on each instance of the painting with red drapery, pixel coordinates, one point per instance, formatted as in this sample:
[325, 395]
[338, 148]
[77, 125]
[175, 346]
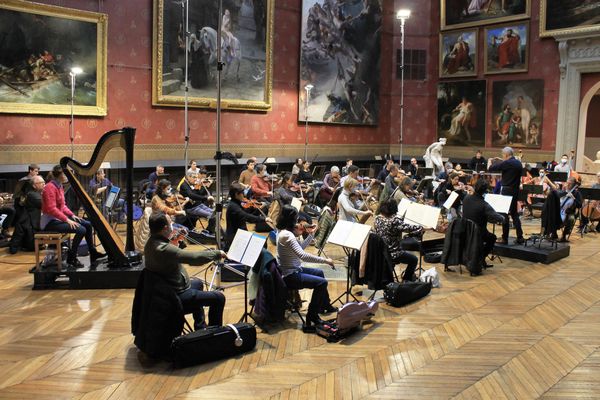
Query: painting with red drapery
[507, 48]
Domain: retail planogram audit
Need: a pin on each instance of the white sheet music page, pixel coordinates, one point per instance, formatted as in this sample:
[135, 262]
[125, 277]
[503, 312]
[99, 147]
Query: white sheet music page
[451, 199]
[239, 244]
[253, 250]
[296, 203]
[349, 234]
[500, 204]
[421, 214]
[402, 207]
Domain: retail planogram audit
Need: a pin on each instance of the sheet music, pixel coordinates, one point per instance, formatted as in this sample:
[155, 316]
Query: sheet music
[403, 206]
[500, 204]
[246, 247]
[451, 199]
[349, 234]
[421, 214]
[296, 203]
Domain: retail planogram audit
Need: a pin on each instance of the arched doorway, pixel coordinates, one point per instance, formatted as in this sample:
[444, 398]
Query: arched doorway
[588, 137]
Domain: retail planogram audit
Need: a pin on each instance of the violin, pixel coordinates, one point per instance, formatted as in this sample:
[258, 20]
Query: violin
[203, 183]
[303, 227]
[178, 235]
[176, 201]
[251, 203]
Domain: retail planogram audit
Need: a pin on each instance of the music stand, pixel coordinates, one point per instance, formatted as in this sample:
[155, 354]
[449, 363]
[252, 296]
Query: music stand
[558, 176]
[350, 236]
[423, 172]
[587, 194]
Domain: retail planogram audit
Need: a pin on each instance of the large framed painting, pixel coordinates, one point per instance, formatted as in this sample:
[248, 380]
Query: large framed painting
[466, 13]
[560, 17]
[517, 108]
[246, 52]
[507, 48]
[340, 58]
[39, 47]
[458, 53]
[461, 112]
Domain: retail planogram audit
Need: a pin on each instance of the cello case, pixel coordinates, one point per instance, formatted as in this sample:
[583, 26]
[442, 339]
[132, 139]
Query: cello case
[350, 316]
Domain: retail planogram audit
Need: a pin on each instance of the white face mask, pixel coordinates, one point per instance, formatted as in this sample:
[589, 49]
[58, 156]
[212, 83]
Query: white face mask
[563, 160]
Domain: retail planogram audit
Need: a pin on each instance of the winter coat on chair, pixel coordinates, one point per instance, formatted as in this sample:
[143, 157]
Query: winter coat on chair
[463, 245]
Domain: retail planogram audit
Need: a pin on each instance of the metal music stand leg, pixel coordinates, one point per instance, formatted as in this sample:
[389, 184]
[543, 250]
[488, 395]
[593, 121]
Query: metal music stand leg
[420, 268]
[493, 256]
[348, 291]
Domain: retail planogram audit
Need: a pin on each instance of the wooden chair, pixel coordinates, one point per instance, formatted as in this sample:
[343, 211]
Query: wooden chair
[49, 238]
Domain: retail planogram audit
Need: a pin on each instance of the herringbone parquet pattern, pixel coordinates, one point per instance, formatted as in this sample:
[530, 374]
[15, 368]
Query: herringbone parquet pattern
[519, 331]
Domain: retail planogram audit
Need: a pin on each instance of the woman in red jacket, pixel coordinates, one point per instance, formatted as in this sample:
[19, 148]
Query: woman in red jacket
[56, 217]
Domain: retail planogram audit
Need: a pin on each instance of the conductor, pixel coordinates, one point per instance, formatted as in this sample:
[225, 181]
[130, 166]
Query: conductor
[512, 170]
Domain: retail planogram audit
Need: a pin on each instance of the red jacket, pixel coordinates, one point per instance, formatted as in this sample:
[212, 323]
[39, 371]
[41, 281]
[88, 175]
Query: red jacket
[53, 202]
[260, 188]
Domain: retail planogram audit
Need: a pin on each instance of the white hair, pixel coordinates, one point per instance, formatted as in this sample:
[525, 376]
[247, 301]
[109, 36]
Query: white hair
[508, 150]
[335, 169]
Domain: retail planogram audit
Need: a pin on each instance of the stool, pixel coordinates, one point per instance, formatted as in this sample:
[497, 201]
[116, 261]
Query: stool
[47, 238]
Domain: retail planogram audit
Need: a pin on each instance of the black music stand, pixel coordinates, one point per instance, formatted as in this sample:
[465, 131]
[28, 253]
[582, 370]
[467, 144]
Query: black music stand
[423, 172]
[530, 189]
[587, 194]
[558, 176]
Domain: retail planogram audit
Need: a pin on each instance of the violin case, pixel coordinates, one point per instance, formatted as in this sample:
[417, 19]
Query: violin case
[350, 316]
[213, 343]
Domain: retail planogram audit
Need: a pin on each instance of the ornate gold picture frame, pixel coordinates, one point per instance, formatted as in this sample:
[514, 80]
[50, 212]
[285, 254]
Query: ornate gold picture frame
[458, 53]
[247, 54]
[560, 19]
[455, 14]
[39, 45]
[506, 48]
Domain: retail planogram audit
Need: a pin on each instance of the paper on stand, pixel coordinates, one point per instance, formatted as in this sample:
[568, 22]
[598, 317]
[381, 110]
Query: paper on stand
[500, 204]
[451, 199]
[403, 206]
[349, 234]
[421, 214]
[246, 247]
[296, 203]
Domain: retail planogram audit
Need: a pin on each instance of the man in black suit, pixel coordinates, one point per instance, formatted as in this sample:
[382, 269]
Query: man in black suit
[511, 169]
[477, 210]
[29, 220]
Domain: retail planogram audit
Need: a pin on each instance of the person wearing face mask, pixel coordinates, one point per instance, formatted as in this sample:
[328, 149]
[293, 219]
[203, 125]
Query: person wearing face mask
[565, 164]
[261, 188]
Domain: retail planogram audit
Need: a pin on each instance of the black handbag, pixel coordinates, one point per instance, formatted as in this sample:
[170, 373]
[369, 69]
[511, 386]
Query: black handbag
[399, 294]
[213, 343]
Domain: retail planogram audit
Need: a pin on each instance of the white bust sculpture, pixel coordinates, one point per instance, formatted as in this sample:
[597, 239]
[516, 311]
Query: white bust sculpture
[597, 161]
[433, 156]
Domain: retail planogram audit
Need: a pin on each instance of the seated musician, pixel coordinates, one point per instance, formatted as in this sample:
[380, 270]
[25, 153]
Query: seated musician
[291, 254]
[261, 187]
[592, 205]
[304, 175]
[165, 201]
[9, 214]
[247, 174]
[56, 217]
[385, 171]
[390, 228]
[297, 167]
[197, 206]
[478, 163]
[330, 184]
[405, 190]
[345, 168]
[347, 208]
[99, 184]
[351, 172]
[287, 191]
[154, 177]
[413, 168]
[453, 184]
[477, 210]
[236, 216]
[28, 222]
[193, 167]
[570, 202]
[390, 183]
[448, 168]
[166, 259]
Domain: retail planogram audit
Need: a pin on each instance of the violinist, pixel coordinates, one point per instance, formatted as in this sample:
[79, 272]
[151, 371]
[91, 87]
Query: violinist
[385, 171]
[236, 217]
[197, 206]
[405, 190]
[287, 191]
[165, 201]
[453, 184]
[570, 202]
[247, 174]
[193, 167]
[348, 210]
[592, 209]
[260, 185]
[345, 168]
[390, 183]
[331, 183]
[297, 167]
[304, 175]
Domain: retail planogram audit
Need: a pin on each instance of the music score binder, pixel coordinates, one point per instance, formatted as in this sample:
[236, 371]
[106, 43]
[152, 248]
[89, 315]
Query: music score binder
[348, 234]
[246, 247]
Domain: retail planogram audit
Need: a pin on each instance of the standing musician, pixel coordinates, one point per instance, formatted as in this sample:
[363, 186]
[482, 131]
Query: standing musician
[477, 210]
[570, 202]
[591, 211]
[166, 260]
[390, 227]
[291, 254]
[511, 170]
[56, 217]
[236, 217]
[348, 211]
[260, 185]
[331, 183]
[247, 174]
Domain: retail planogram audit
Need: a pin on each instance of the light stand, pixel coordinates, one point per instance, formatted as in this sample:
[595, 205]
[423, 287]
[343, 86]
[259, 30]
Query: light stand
[402, 15]
[186, 9]
[308, 88]
[74, 72]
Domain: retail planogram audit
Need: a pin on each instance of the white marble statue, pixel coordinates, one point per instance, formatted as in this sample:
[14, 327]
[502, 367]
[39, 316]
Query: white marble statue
[433, 156]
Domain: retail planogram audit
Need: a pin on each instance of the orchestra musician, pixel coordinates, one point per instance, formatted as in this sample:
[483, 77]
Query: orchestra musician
[345, 168]
[511, 170]
[291, 254]
[297, 166]
[348, 210]
[99, 184]
[476, 209]
[154, 177]
[453, 184]
[165, 201]
[57, 217]
[331, 183]
[199, 199]
[245, 178]
[193, 167]
[28, 222]
[287, 191]
[591, 211]
[413, 168]
[236, 216]
[477, 163]
[385, 171]
[405, 190]
[570, 202]
[390, 183]
[166, 259]
[566, 163]
[390, 228]
[448, 168]
[260, 185]
[304, 176]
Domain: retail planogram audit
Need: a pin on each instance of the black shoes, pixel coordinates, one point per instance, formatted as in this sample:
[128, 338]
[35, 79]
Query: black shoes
[73, 262]
[329, 309]
[96, 255]
[519, 240]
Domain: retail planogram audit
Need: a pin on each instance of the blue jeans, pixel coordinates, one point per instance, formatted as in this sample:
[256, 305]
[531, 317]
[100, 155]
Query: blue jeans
[84, 229]
[195, 299]
[200, 210]
[311, 278]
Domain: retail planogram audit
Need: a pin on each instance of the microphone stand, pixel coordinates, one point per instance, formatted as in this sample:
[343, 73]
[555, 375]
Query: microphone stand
[186, 10]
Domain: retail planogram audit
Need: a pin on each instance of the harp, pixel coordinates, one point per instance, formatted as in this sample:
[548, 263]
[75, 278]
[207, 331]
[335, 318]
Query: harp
[119, 255]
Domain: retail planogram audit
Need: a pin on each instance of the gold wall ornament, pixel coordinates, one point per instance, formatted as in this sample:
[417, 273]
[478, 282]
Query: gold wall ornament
[40, 83]
[255, 63]
[453, 14]
[570, 23]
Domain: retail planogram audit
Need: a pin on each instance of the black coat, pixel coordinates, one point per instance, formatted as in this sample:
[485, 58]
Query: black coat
[157, 315]
[236, 218]
[477, 210]
[379, 269]
[463, 244]
[271, 298]
[28, 222]
[551, 220]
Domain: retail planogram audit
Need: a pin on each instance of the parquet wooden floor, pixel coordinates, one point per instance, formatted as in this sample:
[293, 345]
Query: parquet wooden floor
[519, 331]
